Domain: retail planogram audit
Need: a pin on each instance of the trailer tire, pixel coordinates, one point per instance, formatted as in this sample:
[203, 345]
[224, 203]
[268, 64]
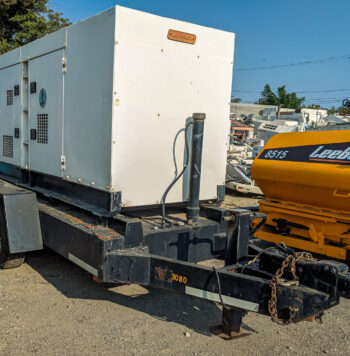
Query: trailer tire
[9, 260]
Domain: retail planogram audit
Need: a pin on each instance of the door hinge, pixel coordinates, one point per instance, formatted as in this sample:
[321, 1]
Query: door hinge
[64, 65]
[63, 163]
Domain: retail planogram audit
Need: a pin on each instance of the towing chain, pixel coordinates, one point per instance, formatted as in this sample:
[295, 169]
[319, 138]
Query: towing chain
[290, 264]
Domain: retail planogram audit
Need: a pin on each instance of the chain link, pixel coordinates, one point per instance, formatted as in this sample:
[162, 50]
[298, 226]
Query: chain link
[288, 264]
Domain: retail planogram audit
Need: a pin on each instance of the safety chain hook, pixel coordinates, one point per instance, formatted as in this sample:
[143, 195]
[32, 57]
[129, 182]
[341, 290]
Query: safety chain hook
[288, 264]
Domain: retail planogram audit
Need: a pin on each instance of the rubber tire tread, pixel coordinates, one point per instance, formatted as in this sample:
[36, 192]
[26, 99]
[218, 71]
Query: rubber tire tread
[11, 261]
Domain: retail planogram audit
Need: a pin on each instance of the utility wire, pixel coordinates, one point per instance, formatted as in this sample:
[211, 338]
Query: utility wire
[295, 91]
[325, 99]
[318, 61]
[322, 91]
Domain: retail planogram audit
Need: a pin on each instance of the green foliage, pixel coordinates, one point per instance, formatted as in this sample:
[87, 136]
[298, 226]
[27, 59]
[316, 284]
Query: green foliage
[333, 110]
[314, 106]
[268, 96]
[344, 111]
[286, 100]
[23, 21]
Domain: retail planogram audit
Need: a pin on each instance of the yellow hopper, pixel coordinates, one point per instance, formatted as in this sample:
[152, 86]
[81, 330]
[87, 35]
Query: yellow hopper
[305, 177]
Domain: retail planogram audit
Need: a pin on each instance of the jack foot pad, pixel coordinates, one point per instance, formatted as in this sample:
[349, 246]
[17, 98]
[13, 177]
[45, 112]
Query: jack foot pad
[219, 331]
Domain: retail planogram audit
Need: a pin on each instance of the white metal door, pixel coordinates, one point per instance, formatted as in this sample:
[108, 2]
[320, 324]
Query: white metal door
[10, 112]
[46, 111]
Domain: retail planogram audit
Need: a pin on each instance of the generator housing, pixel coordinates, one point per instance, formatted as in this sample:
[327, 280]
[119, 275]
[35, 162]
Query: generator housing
[90, 113]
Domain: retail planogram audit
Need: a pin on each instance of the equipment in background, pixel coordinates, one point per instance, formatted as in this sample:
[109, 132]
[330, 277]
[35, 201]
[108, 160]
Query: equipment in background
[239, 160]
[305, 178]
[240, 131]
[238, 178]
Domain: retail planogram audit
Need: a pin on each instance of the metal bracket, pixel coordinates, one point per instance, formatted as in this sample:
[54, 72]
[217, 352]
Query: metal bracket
[115, 202]
[220, 193]
[231, 325]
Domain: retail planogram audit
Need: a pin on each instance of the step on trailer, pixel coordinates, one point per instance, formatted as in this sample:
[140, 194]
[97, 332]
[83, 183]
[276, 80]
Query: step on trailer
[95, 118]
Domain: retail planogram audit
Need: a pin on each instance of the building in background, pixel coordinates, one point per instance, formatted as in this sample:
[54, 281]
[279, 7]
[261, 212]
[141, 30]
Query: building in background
[238, 109]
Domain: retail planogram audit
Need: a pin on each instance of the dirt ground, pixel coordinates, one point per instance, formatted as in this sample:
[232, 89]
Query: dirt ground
[49, 306]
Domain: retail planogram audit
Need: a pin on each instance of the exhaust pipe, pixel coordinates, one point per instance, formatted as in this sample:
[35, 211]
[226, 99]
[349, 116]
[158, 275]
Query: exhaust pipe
[196, 164]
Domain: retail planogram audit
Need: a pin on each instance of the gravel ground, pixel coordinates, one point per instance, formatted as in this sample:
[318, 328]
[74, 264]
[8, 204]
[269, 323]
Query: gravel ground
[49, 306]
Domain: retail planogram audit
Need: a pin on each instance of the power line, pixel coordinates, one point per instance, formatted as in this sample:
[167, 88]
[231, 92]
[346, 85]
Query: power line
[295, 91]
[325, 102]
[318, 61]
[246, 91]
[325, 99]
[322, 91]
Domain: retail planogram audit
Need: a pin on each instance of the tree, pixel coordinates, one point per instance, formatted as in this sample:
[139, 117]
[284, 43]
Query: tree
[268, 96]
[333, 110]
[23, 21]
[314, 106]
[235, 100]
[344, 111]
[286, 100]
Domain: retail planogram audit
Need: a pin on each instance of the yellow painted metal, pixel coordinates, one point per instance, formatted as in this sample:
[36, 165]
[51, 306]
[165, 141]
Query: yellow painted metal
[312, 200]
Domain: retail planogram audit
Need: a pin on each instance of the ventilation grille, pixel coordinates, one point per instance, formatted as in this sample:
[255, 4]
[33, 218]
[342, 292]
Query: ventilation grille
[270, 127]
[9, 97]
[42, 129]
[7, 146]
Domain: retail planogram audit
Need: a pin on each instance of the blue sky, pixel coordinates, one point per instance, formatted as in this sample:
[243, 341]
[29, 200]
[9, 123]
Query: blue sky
[268, 33]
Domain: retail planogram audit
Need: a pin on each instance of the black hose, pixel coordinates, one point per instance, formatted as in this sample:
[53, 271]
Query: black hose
[219, 287]
[177, 177]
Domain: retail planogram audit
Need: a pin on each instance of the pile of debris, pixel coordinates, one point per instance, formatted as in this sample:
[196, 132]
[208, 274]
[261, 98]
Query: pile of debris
[242, 151]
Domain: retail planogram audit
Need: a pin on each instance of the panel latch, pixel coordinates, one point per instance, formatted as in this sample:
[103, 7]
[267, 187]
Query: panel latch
[64, 65]
[63, 163]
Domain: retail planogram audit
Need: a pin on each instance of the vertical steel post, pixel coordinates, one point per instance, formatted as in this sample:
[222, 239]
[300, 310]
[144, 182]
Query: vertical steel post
[237, 237]
[196, 164]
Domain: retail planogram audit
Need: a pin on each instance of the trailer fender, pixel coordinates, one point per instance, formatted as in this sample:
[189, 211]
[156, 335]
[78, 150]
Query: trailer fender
[19, 220]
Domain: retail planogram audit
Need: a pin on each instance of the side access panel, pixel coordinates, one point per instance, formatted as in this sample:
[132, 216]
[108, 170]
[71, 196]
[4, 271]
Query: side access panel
[10, 113]
[46, 105]
[19, 219]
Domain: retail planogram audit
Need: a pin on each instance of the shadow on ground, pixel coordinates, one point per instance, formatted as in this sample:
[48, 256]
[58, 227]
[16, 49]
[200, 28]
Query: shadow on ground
[75, 283]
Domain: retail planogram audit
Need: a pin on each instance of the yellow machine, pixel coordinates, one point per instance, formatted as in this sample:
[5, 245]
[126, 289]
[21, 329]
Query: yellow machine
[305, 177]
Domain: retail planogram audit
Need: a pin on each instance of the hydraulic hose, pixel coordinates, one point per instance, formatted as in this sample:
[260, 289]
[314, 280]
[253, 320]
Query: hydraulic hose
[177, 177]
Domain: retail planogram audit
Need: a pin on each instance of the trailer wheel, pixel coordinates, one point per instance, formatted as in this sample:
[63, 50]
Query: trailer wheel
[9, 260]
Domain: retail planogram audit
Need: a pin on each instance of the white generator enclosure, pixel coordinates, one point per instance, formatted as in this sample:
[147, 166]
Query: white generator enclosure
[98, 105]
